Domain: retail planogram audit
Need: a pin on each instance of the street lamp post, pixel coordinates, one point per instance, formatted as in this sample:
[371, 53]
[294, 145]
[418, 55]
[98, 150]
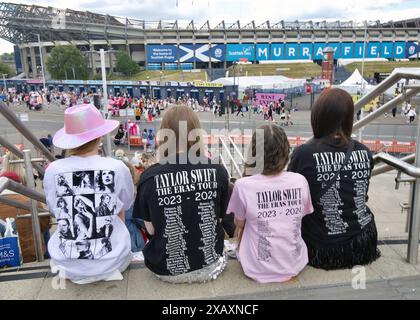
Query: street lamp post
[107, 143]
[42, 61]
[150, 88]
[361, 80]
[4, 82]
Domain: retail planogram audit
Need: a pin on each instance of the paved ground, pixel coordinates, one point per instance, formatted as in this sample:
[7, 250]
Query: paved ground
[50, 119]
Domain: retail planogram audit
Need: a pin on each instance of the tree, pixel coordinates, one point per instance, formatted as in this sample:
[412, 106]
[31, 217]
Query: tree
[5, 69]
[126, 65]
[7, 56]
[67, 62]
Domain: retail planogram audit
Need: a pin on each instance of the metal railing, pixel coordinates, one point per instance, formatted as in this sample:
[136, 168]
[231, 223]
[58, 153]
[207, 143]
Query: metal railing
[394, 78]
[15, 121]
[390, 162]
[231, 158]
[414, 220]
[33, 195]
[386, 167]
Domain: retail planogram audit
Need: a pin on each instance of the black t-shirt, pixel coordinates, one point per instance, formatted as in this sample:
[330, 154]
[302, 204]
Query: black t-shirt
[184, 202]
[341, 212]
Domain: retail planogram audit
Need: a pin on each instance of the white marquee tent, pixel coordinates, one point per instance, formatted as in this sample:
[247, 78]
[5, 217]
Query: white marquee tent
[354, 83]
[262, 82]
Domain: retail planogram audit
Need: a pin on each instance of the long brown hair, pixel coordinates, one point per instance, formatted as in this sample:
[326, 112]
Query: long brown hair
[276, 149]
[332, 116]
[171, 121]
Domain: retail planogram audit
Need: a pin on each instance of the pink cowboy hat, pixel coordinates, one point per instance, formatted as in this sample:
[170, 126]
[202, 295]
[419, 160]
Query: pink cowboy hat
[82, 123]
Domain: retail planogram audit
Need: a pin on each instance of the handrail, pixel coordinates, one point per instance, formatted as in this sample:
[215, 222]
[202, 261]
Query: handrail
[386, 167]
[17, 204]
[399, 164]
[236, 148]
[14, 203]
[414, 217]
[15, 121]
[230, 156]
[6, 183]
[29, 216]
[19, 154]
[383, 86]
[385, 108]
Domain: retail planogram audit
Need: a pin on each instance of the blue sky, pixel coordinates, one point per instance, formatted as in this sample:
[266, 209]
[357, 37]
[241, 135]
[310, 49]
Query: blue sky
[243, 10]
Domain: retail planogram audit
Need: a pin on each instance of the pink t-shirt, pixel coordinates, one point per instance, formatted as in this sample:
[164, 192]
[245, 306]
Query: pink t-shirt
[272, 248]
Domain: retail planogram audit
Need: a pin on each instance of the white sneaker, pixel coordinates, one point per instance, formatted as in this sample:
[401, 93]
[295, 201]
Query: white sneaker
[231, 249]
[138, 257]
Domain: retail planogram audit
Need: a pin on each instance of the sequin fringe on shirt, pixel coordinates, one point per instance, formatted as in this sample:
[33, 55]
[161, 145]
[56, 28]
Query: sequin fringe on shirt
[208, 273]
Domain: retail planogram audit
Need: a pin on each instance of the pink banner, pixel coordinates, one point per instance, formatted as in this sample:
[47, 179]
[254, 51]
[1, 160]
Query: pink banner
[34, 81]
[264, 99]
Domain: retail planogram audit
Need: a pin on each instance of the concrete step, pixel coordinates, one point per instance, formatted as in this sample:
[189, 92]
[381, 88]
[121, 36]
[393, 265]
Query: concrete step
[140, 283]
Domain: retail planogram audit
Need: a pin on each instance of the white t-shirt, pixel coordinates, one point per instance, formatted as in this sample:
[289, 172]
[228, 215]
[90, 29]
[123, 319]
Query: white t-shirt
[86, 194]
[411, 113]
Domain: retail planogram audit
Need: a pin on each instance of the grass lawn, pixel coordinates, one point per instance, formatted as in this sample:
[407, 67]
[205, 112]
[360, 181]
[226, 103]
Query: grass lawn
[382, 67]
[166, 75]
[291, 70]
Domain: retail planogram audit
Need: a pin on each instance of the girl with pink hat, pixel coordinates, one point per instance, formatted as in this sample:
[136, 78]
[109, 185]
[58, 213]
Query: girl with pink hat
[81, 135]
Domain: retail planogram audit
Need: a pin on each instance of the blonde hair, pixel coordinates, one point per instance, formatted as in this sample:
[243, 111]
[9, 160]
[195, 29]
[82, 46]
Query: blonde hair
[84, 148]
[135, 174]
[147, 160]
[171, 121]
[17, 168]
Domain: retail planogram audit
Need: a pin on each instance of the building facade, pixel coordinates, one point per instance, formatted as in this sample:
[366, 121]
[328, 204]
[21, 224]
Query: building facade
[170, 45]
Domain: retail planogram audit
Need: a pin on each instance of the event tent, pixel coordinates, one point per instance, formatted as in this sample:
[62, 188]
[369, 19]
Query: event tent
[261, 82]
[354, 83]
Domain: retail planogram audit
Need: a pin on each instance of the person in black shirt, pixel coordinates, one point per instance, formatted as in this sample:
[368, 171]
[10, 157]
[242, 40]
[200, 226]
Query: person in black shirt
[182, 200]
[341, 233]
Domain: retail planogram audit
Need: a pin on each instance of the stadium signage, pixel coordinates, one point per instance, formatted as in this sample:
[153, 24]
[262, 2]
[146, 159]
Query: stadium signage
[201, 53]
[278, 51]
[122, 83]
[207, 84]
[72, 82]
[235, 52]
[263, 52]
[94, 82]
[162, 53]
[412, 49]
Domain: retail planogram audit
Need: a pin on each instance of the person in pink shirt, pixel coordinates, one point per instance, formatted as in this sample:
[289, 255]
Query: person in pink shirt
[268, 209]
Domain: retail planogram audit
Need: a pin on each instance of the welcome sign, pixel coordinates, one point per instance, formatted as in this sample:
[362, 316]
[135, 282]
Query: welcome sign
[264, 99]
[162, 53]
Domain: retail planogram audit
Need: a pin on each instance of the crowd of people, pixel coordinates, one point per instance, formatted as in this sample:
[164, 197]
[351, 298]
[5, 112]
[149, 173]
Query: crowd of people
[175, 211]
[116, 102]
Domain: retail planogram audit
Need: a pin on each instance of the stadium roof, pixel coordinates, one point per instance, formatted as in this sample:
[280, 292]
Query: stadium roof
[21, 23]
